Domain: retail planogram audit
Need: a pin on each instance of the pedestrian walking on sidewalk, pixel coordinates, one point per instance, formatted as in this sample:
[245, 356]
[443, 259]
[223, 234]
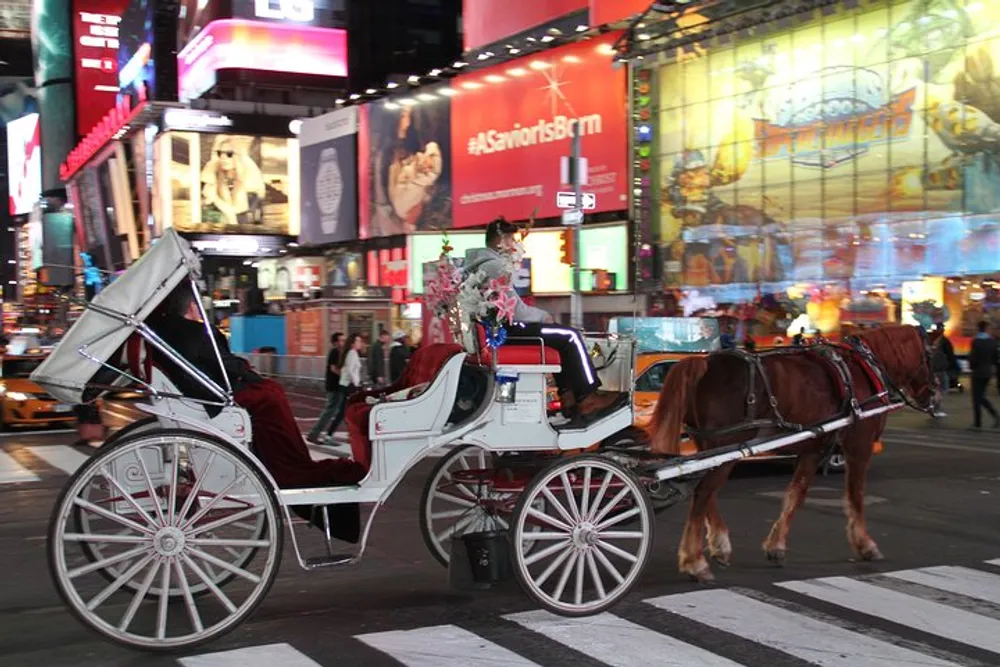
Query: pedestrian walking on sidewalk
[982, 361]
[334, 394]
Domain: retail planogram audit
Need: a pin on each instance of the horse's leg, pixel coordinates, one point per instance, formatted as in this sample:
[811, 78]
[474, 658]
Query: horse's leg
[690, 557]
[719, 546]
[775, 545]
[857, 457]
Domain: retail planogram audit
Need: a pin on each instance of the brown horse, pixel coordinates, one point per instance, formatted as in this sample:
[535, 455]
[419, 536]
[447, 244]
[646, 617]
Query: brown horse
[710, 393]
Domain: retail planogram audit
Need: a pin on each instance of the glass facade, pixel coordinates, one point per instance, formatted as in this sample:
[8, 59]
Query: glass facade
[860, 148]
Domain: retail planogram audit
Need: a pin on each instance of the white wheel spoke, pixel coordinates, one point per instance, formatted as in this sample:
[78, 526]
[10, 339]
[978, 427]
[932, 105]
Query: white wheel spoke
[621, 553]
[448, 514]
[456, 500]
[578, 584]
[153, 498]
[123, 579]
[196, 489]
[618, 518]
[107, 562]
[564, 576]
[218, 523]
[127, 496]
[140, 593]
[229, 542]
[216, 591]
[482, 459]
[161, 611]
[550, 520]
[554, 565]
[450, 531]
[111, 516]
[188, 598]
[611, 505]
[600, 494]
[546, 552]
[212, 503]
[621, 535]
[108, 539]
[544, 535]
[559, 507]
[570, 498]
[228, 567]
[503, 522]
[608, 565]
[172, 494]
[585, 499]
[594, 574]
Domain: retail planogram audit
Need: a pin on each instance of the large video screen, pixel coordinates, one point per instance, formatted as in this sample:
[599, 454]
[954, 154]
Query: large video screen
[24, 163]
[228, 183]
[857, 145]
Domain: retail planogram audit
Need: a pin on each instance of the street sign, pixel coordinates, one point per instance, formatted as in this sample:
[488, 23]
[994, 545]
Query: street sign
[573, 216]
[568, 200]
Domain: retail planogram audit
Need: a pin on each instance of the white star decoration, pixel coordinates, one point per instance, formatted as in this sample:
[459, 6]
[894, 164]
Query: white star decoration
[553, 88]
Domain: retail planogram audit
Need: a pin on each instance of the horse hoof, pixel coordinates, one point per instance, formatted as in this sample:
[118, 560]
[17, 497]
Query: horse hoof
[722, 560]
[703, 576]
[872, 554]
[776, 556]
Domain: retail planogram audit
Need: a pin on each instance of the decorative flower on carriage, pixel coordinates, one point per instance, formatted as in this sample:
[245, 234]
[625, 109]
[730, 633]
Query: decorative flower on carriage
[490, 302]
[442, 290]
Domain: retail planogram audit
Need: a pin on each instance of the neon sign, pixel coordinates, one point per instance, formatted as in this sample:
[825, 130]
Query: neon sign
[133, 68]
[302, 11]
[107, 130]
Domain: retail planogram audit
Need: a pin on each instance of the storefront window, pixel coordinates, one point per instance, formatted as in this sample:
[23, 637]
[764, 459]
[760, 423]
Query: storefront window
[854, 147]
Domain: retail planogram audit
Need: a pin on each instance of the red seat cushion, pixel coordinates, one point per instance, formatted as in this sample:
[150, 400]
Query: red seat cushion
[528, 353]
[424, 365]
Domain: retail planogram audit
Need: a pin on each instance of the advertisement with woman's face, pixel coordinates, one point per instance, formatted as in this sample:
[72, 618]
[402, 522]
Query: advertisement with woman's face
[409, 168]
[231, 184]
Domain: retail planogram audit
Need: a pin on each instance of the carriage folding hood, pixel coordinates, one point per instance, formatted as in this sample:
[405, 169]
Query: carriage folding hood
[135, 294]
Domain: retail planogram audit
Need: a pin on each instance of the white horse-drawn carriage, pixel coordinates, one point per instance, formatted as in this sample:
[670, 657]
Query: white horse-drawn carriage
[172, 533]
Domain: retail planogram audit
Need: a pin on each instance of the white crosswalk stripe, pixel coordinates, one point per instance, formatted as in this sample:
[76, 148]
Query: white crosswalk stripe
[12, 472]
[793, 628]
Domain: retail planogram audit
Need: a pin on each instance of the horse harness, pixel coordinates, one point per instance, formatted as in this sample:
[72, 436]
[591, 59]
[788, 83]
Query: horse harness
[834, 357]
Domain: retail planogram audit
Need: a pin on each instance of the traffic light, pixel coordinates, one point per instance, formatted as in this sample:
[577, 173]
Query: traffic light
[567, 246]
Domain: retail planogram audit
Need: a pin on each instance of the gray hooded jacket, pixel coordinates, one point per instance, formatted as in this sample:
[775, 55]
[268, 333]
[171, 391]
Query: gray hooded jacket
[492, 264]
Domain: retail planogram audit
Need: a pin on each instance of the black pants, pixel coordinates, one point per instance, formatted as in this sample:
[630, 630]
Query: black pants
[979, 401]
[578, 374]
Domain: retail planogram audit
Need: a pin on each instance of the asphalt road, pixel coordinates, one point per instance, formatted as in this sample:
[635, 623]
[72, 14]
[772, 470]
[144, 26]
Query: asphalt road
[935, 600]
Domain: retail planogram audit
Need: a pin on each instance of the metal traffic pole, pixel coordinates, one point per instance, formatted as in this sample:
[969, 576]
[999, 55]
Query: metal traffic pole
[575, 300]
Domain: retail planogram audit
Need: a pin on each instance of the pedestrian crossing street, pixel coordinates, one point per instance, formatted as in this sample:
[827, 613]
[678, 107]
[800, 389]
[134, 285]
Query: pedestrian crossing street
[26, 464]
[943, 616]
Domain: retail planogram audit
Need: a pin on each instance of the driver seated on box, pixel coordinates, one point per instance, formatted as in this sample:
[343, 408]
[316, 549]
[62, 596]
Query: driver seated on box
[579, 393]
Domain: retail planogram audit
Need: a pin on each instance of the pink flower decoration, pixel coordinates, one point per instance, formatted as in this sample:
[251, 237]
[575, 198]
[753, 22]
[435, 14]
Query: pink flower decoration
[505, 304]
[498, 285]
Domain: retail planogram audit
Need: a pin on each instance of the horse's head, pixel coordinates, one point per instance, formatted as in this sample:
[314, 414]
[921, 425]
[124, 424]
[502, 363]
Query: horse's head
[905, 353]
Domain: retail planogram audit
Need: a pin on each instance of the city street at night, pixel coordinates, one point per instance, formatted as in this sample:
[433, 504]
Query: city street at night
[934, 600]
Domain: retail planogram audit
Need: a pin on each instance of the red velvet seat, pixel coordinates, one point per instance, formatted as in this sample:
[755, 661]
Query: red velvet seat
[526, 354]
[423, 366]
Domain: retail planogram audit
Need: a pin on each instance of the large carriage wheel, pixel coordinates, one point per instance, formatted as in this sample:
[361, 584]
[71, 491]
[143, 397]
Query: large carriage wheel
[165, 508]
[94, 551]
[596, 536]
[460, 497]
[450, 507]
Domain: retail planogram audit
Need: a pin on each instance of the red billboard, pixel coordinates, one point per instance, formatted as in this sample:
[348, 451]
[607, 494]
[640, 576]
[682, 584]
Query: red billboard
[611, 11]
[510, 124]
[489, 21]
[95, 52]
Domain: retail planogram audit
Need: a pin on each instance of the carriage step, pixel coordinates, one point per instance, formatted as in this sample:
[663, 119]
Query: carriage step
[330, 561]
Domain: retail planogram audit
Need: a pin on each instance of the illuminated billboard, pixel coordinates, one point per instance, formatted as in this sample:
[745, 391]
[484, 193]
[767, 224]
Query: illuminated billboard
[227, 183]
[95, 48]
[859, 145]
[604, 247]
[259, 46]
[24, 163]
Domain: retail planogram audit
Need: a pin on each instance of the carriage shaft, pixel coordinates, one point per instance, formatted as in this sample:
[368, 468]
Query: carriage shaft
[714, 458]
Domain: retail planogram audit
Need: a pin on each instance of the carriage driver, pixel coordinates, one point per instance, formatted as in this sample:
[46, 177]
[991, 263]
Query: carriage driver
[578, 382]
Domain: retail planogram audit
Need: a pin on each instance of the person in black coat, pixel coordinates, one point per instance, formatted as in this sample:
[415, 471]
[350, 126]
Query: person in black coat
[982, 360]
[399, 354]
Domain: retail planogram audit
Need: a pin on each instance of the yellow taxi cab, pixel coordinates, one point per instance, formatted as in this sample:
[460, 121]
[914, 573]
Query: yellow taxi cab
[24, 403]
[651, 370]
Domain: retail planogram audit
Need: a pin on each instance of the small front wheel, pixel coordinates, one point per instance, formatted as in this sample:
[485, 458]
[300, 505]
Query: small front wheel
[582, 533]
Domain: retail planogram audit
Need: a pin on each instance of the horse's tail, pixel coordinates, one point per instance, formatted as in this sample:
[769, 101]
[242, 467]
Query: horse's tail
[672, 405]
